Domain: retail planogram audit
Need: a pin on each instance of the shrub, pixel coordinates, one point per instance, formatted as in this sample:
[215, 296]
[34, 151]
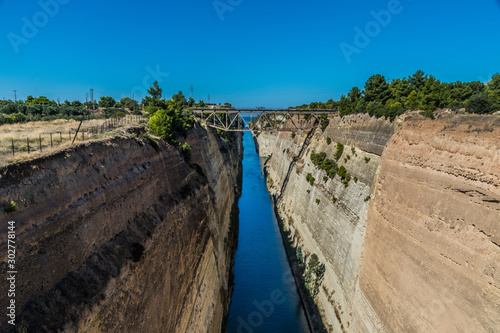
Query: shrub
[328, 140]
[428, 114]
[325, 179]
[318, 158]
[355, 179]
[161, 124]
[334, 199]
[339, 152]
[318, 201]
[367, 159]
[323, 121]
[353, 150]
[10, 207]
[342, 172]
[368, 198]
[186, 152]
[308, 191]
[310, 179]
[293, 135]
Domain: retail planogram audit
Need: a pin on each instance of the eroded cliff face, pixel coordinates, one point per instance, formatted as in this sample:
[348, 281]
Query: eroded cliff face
[124, 236]
[412, 246]
[432, 256]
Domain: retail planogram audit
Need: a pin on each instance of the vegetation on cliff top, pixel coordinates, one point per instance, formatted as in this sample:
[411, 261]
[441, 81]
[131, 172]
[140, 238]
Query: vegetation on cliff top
[415, 92]
[167, 118]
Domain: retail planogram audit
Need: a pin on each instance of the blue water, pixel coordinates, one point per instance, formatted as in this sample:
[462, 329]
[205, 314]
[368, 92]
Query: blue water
[265, 298]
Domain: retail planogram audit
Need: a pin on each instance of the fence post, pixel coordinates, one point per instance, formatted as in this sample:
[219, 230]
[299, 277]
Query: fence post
[51, 140]
[40, 138]
[28, 140]
[13, 153]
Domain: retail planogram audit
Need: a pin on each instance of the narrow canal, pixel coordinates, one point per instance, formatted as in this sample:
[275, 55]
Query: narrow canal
[265, 298]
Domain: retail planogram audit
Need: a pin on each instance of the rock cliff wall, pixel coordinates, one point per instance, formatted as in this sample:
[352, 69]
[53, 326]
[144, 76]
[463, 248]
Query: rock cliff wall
[124, 236]
[412, 245]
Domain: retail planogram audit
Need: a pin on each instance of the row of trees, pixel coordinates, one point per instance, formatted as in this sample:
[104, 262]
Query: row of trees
[416, 92]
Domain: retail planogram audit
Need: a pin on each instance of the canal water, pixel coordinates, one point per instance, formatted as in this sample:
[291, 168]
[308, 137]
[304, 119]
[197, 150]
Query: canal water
[265, 298]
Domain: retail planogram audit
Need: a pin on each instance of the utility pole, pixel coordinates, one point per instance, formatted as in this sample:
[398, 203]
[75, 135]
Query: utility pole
[191, 89]
[15, 96]
[92, 97]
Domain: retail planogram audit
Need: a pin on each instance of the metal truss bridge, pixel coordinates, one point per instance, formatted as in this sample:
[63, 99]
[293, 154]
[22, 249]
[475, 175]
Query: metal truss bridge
[239, 120]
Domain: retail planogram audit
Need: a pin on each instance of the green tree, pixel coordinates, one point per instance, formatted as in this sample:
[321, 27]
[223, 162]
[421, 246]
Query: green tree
[161, 124]
[106, 102]
[417, 80]
[494, 90]
[412, 102]
[76, 103]
[154, 98]
[479, 103]
[129, 103]
[201, 104]
[400, 89]
[179, 99]
[186, 152]
[377, 89]
[191, 101]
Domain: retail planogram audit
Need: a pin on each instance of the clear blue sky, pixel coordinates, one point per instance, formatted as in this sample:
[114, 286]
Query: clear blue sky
[262, 52]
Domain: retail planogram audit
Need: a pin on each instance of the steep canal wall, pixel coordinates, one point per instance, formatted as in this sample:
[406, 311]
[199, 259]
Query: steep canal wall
[410, 242]
[124, 235]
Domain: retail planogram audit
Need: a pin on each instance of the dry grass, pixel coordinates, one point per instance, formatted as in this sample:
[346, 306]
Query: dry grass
[63, 132]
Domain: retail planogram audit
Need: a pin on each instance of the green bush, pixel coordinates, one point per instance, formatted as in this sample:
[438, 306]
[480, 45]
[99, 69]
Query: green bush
[368, 198]
[342, 172]
[367, 159]
[10, 207]
[310, 179]
[323, 121]
[339, 152]
[334, 199]
[428, 114]
[325, 179]
[318, 201]
[186, 152]
[161, 124]
[318, 158]
[353, 150]
[328, 140]
[293, 135]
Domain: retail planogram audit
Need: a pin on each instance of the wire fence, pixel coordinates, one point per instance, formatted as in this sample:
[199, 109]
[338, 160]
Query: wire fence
[51, 139]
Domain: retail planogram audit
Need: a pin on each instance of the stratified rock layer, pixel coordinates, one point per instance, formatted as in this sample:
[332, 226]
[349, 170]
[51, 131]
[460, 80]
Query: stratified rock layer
[412, 246]
[124, 236]
[432, 257]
